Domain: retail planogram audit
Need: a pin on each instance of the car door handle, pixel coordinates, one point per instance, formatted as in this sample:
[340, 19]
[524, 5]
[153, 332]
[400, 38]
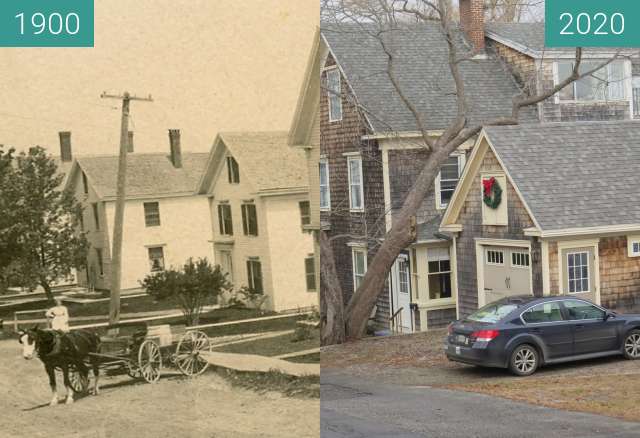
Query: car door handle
[579, 326]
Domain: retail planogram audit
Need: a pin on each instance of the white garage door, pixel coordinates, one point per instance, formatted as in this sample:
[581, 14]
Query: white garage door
[507, 272]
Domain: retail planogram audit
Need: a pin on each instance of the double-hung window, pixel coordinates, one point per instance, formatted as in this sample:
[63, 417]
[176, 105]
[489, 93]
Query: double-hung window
[403, 275]
[325, 196]
[225, 221]
[607, 83]
[156, 258]
[249, 220]
[334, 95]
[447, 179]
[359, 259]
[151, 214]
[254, 275]
[305, 212]
[439, 273]
[356, 191]
[310, 272]
[233, 172]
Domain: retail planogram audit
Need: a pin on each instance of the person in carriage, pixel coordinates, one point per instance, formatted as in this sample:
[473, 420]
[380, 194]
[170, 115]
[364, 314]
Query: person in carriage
[58, 321]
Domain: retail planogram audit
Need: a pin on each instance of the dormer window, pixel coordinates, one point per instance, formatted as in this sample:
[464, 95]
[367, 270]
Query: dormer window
[233, 171]
[608, 83]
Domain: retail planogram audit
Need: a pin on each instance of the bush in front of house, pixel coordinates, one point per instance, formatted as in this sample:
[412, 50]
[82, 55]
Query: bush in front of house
[193, 286]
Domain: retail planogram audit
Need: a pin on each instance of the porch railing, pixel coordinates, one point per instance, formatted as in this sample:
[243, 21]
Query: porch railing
[396, 321]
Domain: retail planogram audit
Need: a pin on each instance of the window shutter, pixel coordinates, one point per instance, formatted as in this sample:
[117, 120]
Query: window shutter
[245, 228]
[220, 220]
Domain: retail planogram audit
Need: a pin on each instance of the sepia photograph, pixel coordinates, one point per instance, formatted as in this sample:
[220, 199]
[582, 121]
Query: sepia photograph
[159, 274]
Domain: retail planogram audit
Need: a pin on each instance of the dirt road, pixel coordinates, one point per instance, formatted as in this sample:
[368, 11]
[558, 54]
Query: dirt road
[205, 406]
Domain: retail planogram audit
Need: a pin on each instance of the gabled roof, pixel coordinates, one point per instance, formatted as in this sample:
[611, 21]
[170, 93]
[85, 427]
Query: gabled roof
[528, 38]
[573, 178]
[148, 175]
[266, 158]
[423, 73]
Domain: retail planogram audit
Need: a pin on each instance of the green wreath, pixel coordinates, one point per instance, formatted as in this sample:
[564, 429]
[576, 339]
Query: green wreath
[492, 193]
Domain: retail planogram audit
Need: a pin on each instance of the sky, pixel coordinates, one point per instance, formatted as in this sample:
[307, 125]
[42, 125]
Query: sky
[210, 65]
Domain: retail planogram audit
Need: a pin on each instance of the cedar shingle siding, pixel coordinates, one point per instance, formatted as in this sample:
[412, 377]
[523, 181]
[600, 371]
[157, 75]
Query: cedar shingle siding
[471, 220]
[337, 138]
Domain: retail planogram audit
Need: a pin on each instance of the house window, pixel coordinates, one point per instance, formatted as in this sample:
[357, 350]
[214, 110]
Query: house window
[335, 95]
[359, 259]
[224, 220]
[96, 218]
[85, 184]
[305, 212]
[403, 275]
[578, 271]
[520, 259]
[254, 275]
[633, 246]
[151, 214]
[439, 273]
[100, 260]
[447, 179]
[608, 83]
[233, 171]
[356, 193]
[226, 264]
[249, 220]
[325, 195]
[495, 257]
[310, 273]
[156, 258]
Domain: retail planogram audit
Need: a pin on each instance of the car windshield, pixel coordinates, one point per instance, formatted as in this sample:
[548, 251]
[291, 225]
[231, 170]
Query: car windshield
[492, 312]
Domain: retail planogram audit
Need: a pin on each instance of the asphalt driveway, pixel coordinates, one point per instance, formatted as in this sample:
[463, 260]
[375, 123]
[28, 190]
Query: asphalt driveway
[365, 407]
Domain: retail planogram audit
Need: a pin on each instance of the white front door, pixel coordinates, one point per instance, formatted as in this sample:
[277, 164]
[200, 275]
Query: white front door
[506, 272]
[401, 293]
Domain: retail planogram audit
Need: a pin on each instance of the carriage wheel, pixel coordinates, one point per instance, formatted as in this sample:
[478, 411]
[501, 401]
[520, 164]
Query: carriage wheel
[188, 354]
[132, 370]
[79, 383]
[150, 361]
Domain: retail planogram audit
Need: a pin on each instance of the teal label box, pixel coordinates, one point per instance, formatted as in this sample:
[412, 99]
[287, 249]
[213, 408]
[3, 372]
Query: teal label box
[46, 23]
[592, 23]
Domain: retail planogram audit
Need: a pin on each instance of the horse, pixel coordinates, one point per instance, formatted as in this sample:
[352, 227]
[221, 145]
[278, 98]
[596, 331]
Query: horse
[74, 350]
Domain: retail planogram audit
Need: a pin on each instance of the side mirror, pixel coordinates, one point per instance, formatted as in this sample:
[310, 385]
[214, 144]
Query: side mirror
[608, 315]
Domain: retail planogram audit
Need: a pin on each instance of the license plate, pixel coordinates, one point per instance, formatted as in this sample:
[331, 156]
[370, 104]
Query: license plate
[462, 339]
[457, 350]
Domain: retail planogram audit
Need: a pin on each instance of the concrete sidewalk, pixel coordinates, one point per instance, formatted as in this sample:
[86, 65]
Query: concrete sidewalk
[253, 362]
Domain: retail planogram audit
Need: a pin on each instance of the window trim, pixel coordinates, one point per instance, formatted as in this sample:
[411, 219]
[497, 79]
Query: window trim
[324, 162]
[149, 249]
[568, 279]
[302, 215]
[404, 259]
[438, 189]
[443, 300]
[250, 272]
[331, 94]
[354, 251]
[222, 229]
[486, 259]
[227, 253]
[350, 159]
[627, 76]
[230, 174]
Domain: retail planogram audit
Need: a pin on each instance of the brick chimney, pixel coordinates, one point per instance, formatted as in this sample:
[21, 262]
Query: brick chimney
[130, 143]
[176, 151]
[472, 21]
[65, 146]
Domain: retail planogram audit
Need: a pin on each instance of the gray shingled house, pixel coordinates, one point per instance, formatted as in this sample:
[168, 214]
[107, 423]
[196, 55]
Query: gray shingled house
[567, 221]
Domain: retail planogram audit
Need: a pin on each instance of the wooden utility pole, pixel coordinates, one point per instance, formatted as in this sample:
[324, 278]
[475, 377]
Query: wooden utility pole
[116, 247]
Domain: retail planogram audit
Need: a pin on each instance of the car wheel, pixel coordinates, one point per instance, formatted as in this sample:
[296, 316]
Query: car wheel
[632, 345]
[524, 360]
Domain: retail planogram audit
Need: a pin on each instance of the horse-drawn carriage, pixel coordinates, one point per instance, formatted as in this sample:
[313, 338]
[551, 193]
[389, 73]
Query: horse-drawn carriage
[145, 351]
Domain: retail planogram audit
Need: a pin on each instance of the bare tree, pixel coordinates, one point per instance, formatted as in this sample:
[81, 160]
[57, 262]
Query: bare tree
[378, 18]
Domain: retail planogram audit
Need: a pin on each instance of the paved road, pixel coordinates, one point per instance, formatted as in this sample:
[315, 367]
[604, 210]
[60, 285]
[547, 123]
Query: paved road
[355, 407]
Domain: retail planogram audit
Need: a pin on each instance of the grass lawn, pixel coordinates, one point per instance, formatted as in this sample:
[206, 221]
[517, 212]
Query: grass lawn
[303, 387]
[274, 346]
[307, 358]
[612, 395]
[288, 323]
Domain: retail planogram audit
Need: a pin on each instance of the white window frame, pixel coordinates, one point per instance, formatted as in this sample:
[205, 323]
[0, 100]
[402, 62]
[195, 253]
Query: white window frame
[356, 275]
[439, 272]
[574, 253]
[227, 255]
[163, 258]
[404, 261]
[625, 80]
[631, 242]
[487, 251]
[524, 255]
[324, 162]
[438, 189]
[331, 94]
[360, 187]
